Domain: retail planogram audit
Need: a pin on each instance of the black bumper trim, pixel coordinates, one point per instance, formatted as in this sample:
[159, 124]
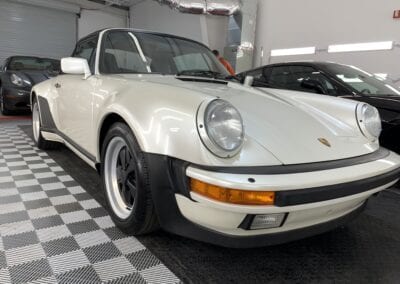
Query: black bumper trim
[164, 185]
[323, 193]
[299, 168]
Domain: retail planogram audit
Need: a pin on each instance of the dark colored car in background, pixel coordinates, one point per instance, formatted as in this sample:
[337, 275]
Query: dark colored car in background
[337, 80]
[17, 77]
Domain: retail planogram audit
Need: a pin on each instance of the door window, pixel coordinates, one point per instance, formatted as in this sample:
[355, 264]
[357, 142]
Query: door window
[120, 55]
[87, 50]
[281, 77]
[260, 80]
[300, 73]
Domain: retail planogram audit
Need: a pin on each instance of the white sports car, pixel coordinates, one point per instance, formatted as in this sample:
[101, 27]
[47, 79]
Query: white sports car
[183, 146]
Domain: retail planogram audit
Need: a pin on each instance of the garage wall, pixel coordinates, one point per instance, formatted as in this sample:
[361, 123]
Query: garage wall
[93, 20]
[210, 30]
[37, 31]
[290, 24]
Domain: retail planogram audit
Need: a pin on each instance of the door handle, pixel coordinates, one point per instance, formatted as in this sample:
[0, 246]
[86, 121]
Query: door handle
[57, 85]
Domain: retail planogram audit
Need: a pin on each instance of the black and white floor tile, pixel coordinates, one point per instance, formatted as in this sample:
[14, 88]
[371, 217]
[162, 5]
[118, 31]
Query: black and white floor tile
[52, 231]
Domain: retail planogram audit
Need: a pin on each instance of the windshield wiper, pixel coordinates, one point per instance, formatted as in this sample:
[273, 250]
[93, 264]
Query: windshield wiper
[206, 74]
[199, 73]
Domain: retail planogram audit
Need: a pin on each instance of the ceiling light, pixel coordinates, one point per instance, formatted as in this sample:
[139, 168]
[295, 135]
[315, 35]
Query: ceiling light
[381, 76]
[293, 51]
[367, 46]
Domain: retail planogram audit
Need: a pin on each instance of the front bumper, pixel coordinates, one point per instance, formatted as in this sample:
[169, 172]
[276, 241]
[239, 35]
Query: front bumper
[16, 98]
[314, 201]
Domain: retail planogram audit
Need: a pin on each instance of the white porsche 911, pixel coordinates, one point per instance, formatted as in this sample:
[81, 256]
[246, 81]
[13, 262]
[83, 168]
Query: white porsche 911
[183, 146]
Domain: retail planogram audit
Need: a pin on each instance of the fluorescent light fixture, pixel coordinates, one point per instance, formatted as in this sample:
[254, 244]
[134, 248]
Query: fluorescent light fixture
[367, 46]
[381, 76]
[293, 51]
[349, 80]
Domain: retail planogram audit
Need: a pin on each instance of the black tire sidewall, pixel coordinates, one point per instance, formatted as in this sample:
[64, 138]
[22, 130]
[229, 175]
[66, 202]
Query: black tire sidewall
[40, 140]
[3, 107]
[137, 219]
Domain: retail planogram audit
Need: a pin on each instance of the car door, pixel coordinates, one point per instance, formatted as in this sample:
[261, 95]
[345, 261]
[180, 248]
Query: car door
[75, 101]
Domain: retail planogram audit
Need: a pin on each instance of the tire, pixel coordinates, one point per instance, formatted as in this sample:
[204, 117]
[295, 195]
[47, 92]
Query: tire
[126, 185]
[3, 109]
[41, 143]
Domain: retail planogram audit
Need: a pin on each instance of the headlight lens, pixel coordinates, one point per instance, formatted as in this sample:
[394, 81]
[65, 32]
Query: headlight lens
[369, 121]
[221, 128]
[19, 81]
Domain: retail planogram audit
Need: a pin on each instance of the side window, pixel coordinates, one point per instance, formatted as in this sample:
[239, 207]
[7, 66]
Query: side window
[301, 73]
[257, 74]
[120, 55]
[87, 50]
[281, 78]
[4, 65]
[259, 79]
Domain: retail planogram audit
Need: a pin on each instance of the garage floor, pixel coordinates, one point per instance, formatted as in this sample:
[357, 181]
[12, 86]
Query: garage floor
[53, 227]
[53, 231]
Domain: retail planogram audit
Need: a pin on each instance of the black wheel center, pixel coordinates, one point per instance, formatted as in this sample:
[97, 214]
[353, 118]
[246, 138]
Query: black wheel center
[126, 176]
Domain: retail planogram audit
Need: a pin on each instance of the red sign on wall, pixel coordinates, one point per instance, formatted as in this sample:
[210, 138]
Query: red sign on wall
[396, 14]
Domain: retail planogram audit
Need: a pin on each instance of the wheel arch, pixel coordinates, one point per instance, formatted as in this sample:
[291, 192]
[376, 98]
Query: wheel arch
[108, 120]
[32, 98]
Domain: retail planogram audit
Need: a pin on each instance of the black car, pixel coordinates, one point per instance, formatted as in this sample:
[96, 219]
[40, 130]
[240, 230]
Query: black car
[18, 75]
[337, 80]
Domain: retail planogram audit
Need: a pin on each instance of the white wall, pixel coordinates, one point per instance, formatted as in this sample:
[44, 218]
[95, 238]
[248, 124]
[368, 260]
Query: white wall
[93, 20]
[210, 30]
[301, 23]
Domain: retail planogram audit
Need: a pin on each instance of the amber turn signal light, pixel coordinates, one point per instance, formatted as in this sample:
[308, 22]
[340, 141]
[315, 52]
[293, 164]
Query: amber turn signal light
[235, 196]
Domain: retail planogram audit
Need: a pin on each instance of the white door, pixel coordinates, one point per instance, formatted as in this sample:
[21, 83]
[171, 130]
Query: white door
[75, 101]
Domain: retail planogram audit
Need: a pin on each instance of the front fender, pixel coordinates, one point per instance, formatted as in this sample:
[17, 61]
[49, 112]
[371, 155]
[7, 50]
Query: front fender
[166, 125]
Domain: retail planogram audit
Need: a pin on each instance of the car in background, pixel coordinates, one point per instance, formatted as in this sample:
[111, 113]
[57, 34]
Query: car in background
[17, 77]
[337, 80]
[183, 146]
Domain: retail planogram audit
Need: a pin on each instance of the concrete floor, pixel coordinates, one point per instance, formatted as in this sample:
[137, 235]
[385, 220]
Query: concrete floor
[365, 251]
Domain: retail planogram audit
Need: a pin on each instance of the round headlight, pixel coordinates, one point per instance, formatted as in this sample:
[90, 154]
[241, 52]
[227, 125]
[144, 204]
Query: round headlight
[369, 121]
[221, 128]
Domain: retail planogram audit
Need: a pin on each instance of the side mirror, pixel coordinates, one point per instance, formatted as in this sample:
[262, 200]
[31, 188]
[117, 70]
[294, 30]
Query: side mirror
[77, 66]
[313, 85]
[248, 81]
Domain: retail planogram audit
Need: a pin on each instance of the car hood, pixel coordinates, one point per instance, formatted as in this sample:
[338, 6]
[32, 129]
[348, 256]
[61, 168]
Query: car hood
[287, 124]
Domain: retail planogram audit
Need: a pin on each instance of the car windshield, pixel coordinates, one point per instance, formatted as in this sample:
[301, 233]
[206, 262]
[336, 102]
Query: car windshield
[128, 52]
[363, 82]
[33, 63]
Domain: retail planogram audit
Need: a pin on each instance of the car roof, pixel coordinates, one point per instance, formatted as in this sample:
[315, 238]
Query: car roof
[310, 63]
[318, 64]
[96, 33]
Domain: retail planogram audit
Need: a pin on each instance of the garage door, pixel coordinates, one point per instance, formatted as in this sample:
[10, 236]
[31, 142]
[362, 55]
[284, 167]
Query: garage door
[36, 31]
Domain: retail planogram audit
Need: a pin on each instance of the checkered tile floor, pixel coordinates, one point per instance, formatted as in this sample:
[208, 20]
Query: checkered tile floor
[52, 231]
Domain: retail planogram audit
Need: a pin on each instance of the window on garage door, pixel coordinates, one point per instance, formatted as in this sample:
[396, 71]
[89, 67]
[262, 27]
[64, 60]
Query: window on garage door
[30, 30]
